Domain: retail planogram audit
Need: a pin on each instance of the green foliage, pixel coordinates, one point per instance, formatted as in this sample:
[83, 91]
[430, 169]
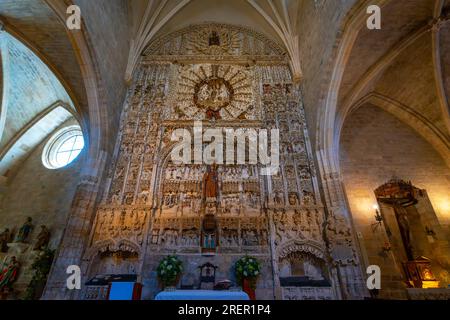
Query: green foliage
[169, 269]
[247, 268]
[41, 267]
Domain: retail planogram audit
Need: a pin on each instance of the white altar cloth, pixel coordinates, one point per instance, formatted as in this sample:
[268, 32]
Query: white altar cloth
[201, 295]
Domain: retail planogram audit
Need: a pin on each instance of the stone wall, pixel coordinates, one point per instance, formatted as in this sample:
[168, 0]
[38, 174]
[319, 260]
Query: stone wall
[375, 146]
[108, 29]
[43, 194]
[320, 22]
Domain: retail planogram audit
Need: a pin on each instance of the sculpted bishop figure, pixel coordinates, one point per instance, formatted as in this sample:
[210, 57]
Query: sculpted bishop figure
[210, 182]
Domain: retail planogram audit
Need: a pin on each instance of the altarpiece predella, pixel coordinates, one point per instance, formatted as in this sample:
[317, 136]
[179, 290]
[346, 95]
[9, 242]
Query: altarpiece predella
[226, 77]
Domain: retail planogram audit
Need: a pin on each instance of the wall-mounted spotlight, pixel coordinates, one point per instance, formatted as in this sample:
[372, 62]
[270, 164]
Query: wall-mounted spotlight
[430, 234]
[378, 218]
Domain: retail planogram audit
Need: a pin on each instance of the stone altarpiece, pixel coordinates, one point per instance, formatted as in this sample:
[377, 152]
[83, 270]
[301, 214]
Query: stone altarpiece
[226, 77]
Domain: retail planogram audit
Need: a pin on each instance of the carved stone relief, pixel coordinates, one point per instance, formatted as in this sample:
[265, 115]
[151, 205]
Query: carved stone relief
[199, 74]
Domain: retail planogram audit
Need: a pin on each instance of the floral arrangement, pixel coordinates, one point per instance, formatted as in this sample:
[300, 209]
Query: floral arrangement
[247, 268]
[169, 270]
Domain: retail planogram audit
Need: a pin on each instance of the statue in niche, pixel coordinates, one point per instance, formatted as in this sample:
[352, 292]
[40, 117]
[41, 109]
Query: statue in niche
[299, 147]
[170, 237]
[24, 231]
[120, 172]
[210, 182]
[129, 197]
[43, 239]
[245, 173]
[116, 197]
[143, 196]
[209, 241]
[214, 39]
[8, 274]
[5, 238]
[278, 199]
[155, 236]
[209, 234]
[308, 197]
[296, 126]
[263, 240]
[293, 198]
[267, 89]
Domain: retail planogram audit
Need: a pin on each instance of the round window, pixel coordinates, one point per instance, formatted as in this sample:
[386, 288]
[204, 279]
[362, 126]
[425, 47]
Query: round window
[63, 147]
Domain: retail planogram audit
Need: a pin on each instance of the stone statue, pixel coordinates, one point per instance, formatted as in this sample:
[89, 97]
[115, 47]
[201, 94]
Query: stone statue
[209, 241]
[5, 237]
[24, 231]
[43, 239]
[210, 182]
[293, 199]
[9, 274]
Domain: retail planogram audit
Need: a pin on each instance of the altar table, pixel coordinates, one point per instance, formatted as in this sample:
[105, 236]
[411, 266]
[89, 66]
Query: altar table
[201, 295]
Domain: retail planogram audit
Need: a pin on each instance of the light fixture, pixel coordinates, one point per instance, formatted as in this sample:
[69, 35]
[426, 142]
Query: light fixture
[378, 218]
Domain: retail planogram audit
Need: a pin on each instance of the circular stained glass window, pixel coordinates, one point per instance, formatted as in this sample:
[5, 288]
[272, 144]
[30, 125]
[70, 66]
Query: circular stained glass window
[63, 148]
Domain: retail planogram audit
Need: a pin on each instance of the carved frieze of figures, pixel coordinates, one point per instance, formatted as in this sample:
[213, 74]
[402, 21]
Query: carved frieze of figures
[229, 237]
[119, 223]
[169, 237]
[297, 224]
[253, 232]
[340, 239]
[190, 238]
[251, 202]
[176, 232]
[230, 204]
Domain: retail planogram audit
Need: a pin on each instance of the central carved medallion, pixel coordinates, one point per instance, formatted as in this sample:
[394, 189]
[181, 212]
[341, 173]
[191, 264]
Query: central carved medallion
[213, 94]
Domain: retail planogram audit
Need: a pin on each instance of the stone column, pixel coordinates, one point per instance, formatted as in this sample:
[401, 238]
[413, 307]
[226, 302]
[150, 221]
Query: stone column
[76, 235]
[341, 241]
[275, 272]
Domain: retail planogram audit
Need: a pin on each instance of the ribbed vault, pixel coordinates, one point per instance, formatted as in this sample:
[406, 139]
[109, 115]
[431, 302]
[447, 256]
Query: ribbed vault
[34, 102]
